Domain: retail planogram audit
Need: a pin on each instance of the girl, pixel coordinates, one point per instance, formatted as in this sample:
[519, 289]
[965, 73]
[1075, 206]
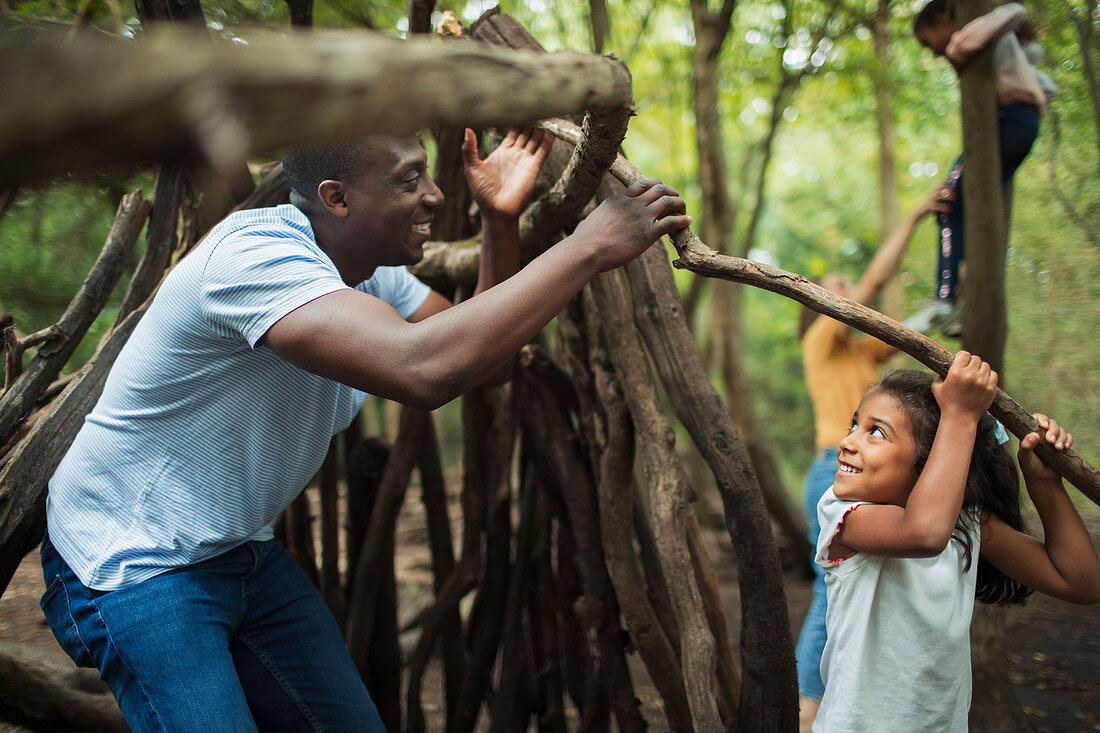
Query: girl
[923, 516]
[839, 365]
[1021, 98]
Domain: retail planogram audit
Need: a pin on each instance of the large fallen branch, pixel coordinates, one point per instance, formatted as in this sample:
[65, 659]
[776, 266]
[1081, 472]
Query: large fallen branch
[39, 690]
[90, 102]
[699, 258]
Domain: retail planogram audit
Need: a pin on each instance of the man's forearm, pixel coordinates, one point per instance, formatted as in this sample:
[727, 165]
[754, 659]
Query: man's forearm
[499, 261]
[499, 251]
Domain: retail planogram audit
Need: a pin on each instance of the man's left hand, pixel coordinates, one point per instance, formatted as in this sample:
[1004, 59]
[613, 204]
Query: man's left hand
[503, 182]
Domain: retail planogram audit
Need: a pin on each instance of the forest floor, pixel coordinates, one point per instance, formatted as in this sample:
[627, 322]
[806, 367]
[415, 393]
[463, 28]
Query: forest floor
[1053, 647]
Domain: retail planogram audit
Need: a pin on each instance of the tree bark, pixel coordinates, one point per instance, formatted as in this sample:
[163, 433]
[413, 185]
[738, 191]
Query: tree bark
[546, 653]
[699, 258]
[161, 238]
[301, 13]
[984, 319]
[727, 672]
[616, 511]
[562, 458]
[434, 490]
[995, 706]
[29, 466]
[420, 16]
[600, 23]
[152, 12]
[370, 571]
[39, 691]
[670, 494]
[230, 101]
[489, 436]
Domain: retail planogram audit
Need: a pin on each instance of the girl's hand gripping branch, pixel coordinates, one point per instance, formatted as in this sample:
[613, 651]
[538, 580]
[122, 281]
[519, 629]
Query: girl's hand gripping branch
[967, 391]
[911, 516]
[1032, 467]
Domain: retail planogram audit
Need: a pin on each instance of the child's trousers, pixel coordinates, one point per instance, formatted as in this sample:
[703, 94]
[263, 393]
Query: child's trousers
[1018, 125]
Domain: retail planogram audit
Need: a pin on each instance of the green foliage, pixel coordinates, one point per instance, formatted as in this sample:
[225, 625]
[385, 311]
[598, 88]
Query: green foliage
[49, 239]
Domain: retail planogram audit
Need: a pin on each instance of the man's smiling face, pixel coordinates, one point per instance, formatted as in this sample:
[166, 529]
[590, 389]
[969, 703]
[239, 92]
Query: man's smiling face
[392, 200]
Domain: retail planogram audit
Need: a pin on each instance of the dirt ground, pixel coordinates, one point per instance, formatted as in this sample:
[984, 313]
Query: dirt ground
[1053, 647]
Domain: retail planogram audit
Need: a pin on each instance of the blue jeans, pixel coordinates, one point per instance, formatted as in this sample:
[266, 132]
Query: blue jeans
[1018, 126]
[811, 640]
[239, 642]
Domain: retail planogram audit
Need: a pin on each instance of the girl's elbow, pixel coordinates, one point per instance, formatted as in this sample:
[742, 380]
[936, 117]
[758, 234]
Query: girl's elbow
[1082, 592]
[1088, 596]
[929, 542]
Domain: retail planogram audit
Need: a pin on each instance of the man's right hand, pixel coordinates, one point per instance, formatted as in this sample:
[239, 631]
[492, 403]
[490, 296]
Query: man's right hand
[625, 225]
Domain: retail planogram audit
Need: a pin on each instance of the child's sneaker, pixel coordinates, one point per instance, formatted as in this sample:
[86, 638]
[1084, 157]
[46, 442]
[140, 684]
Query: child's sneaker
[937, 315]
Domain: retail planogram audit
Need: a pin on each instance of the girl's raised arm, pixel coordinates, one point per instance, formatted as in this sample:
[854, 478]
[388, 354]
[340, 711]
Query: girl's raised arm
[1064, 565]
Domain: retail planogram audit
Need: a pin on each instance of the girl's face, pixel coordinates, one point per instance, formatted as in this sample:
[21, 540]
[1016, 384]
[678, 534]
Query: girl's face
[875, 458]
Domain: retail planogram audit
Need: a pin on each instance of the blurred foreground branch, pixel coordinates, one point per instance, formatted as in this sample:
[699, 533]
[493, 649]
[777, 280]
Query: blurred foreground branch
[90, 102]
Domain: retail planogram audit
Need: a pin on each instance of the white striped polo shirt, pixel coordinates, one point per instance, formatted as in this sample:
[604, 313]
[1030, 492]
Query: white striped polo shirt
[203, 435]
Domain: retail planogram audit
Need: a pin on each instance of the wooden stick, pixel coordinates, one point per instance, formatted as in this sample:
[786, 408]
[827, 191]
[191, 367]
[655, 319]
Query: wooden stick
[670, 495]
[92, 103]
[616, 503]
[56, 348]
[434, 498]
[369, 566]
[561, 457]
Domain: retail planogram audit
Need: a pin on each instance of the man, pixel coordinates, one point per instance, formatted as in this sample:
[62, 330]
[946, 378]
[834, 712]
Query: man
[160, 566]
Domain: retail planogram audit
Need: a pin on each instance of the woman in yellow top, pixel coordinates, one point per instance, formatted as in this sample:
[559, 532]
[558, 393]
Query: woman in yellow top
[839, 365]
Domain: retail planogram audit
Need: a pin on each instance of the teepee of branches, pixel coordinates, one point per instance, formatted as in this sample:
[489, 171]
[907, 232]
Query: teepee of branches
[574, 560]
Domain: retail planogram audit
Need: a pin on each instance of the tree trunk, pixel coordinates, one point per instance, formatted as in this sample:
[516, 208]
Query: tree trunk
[601, 23]
[893, 294]
[301, 13]
[718, 223]
[995, 707]
[984, 318]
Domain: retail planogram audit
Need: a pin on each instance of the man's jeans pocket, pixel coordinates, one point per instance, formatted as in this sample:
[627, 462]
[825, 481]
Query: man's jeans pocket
[55, 604]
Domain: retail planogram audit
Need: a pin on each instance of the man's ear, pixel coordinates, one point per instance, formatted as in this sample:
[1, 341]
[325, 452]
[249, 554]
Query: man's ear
[332, 197]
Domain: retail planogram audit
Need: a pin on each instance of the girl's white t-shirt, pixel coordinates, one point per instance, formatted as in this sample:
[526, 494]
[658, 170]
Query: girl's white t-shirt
[897, 657]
